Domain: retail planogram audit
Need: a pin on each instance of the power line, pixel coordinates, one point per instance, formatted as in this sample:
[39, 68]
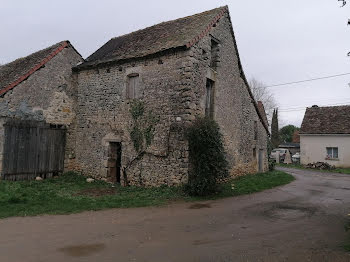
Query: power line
[315, 102]
[307, 80]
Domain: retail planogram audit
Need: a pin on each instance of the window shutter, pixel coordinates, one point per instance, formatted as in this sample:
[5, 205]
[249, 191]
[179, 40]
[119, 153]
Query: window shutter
[136, 87]
[133, 87]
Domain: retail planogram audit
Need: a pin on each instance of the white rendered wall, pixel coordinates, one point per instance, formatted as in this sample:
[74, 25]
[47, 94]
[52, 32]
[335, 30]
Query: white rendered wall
[313, 149]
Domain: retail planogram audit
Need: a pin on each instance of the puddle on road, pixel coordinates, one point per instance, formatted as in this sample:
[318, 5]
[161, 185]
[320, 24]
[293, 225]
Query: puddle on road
[290, 212]
[82, 250]
[199, 206]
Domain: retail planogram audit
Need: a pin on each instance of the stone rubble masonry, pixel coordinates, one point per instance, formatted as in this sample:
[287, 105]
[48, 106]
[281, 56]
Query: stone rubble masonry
[92, 104]
[173, 87]
[103, 116]
[47, 95]
[234, 108]
[2, 136]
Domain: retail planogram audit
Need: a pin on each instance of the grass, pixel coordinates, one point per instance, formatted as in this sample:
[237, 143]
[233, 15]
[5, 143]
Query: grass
[337, 170]
[64, 195]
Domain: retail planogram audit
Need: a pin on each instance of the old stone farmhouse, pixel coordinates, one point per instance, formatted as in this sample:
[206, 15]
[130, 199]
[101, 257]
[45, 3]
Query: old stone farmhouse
[180, 69]
[170, 73]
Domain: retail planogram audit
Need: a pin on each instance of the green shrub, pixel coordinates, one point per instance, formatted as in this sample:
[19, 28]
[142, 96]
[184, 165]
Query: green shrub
[207, 157]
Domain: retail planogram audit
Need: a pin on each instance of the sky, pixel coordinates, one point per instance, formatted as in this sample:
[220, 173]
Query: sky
[278, 41]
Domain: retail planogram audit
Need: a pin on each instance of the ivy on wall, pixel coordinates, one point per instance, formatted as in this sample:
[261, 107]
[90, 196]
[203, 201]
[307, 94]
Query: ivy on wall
[141, 132]
[143, 126]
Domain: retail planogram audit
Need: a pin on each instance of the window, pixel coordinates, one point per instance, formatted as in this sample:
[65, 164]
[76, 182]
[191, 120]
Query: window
[133, 86]
[209, 101]
[255, 130]
[214, 54]
[332, 152]
[254, 153]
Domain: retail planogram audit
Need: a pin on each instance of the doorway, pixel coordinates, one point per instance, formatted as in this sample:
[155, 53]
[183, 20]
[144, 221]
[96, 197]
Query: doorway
[114, 161]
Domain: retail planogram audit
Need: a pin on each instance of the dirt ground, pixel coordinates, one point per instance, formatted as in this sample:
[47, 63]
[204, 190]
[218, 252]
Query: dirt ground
[302, 221]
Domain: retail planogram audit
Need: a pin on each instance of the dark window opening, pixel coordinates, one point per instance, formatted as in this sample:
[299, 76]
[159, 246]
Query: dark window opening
[214, 54]
[209, 101]
[254, 153]
[133, 86]
[114, 161]
[255, 130]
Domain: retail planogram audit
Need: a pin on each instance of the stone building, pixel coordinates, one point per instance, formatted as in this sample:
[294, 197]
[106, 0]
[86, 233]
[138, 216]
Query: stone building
[39, 87]
[177, 70]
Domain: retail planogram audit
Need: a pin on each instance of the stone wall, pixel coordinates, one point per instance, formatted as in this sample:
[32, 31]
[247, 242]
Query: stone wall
[233, 107]
[2, 139]
[173, 87]
[47, 95]
[103, 116]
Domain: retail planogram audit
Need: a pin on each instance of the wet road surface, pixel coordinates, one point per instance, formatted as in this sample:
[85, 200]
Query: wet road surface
[301, 221]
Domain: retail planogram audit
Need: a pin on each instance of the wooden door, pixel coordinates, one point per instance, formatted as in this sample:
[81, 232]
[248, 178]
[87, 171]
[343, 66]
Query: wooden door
[114, 162]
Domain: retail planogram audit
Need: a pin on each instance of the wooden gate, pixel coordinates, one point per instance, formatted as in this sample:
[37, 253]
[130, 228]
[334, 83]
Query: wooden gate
[32, 149]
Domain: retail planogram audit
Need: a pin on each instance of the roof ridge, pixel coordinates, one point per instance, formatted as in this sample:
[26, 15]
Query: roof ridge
[36, 67]
[170, 21]
[318, 107]
[208, 28]
[186, 43]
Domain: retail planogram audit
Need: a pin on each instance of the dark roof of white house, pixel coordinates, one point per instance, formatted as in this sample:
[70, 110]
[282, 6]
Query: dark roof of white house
[326, 120]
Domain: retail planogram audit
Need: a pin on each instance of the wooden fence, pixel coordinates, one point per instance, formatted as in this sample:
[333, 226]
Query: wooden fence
[32, 149]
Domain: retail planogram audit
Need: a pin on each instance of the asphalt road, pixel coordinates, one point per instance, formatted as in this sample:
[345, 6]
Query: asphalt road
[302, 221]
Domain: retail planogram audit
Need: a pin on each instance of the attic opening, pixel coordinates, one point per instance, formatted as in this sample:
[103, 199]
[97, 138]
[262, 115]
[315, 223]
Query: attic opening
[214, 51]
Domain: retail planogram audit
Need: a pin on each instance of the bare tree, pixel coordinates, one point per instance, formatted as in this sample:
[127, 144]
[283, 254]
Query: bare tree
[343, 2]
[261, 93]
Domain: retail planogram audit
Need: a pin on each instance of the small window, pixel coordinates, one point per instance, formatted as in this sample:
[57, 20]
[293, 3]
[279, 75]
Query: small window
[255, 130]
[214, 54]
[209, 101]
[133, 86]
[332, 152]
[254, 153]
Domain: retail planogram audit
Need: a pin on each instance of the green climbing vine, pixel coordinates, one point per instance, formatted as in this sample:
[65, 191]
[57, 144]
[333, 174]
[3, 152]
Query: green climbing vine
[143, 126]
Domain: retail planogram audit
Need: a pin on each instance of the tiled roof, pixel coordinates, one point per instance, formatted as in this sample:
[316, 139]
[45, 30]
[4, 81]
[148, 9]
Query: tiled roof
[179, 33]
[326, 120]
[14, 73]
[183, 32]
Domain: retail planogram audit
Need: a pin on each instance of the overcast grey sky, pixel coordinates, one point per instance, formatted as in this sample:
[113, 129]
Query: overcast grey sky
[278, 41]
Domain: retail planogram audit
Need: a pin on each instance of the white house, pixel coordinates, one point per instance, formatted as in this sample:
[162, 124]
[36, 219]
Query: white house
[325, 135]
